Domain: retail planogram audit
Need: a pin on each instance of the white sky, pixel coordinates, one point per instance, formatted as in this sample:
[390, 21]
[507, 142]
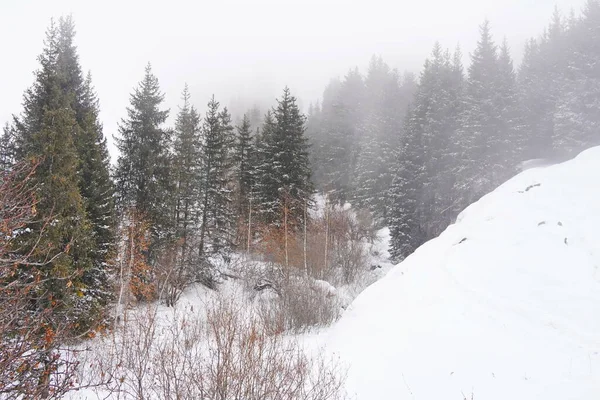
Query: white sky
[246, 49]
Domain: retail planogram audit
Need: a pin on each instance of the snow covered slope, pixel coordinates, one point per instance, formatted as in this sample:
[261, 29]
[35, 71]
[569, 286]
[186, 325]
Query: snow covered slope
[505, 304]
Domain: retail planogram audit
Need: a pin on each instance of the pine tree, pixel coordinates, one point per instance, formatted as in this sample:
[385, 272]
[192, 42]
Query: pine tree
[481, 132]
[424, 167]
[243, 166]
[7, 148]
[404, 193]
[266, 194]
[511, 119]
[61, 238]
[342, 115]
[380, 132]
[95, 183]
[577, 120]
[542, 78]
[186, 171]
[216, 216]
[285, 186]
[143, 177]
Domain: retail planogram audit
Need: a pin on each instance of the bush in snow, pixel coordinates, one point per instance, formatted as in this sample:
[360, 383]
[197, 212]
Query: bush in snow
[226, 356]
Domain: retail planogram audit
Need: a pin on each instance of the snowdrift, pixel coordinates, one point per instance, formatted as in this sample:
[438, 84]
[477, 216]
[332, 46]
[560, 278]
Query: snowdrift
[505, 304]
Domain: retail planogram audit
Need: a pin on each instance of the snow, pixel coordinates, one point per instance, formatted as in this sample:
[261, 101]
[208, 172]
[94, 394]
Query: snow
[505, 304]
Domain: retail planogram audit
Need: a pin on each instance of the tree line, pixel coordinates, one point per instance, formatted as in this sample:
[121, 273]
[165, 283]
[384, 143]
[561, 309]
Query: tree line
[426, 150]
[82, 235]
[79, 235]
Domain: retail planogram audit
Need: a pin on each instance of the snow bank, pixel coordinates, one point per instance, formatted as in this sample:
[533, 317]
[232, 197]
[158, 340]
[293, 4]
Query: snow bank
[505, 304]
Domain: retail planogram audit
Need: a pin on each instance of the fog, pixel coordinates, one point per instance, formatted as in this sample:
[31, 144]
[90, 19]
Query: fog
[245, 52]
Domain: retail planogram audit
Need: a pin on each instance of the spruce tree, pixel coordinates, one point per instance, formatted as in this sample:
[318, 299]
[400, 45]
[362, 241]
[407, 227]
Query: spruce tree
[143, 177]
[186, 171]
[95, 183]
[286, 188]
[511, 118]
[342, 115]
[266, 186]
[243, 166]
[405, 192]
[216, 215]
[542, 78]
[424, 168]
[7, 157]
[481, 131]
[577, 119]
[60, 241]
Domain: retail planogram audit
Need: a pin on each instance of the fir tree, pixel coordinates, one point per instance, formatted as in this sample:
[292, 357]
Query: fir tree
[95, 183]
[511, 120]
[422, 191]
[216, 217]
[341, 116]
[243, 166]
[481, 130]
[186, 170]
[60, 241]
[143, 170]
[404, 194]
[577, 120]
[266, 194]
[285, 187]
[7, 148]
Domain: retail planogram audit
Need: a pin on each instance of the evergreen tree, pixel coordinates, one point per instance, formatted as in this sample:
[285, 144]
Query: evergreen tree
[542, 78]
[243, 165]
[60, 241]
[380, 133]
[511, 126]
[422, 191]
[7, 156]
[266, 176]
[186, 170]
[577, 119]
[143, 177]
[95, 183]
[342, 115]
[285, 187]
[216, 216]
[404, 194]
[485, 139]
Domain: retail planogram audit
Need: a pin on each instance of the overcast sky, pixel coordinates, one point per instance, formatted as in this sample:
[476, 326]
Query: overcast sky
[244, 49]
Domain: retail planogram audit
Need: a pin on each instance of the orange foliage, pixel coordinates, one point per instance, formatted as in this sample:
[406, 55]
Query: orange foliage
[142, 283]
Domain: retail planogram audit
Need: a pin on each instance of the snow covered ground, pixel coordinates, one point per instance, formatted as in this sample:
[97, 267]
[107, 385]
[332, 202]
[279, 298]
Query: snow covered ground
[505, 304]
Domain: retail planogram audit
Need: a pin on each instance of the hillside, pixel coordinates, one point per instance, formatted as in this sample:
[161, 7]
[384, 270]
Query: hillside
[505, 304]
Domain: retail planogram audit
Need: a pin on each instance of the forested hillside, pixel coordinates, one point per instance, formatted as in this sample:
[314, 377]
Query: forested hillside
[417, 156]
[287, 204]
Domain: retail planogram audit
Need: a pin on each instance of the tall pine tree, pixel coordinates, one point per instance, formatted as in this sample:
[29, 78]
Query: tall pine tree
[61, 240]
[244, 148]
[186, 171]
[143, 177]
[285, 187]
[216, 209]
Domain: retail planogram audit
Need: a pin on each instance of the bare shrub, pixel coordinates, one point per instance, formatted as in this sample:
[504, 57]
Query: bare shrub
[32, 363]
[302, 304]
[228, 356]
[173, 273]
[249, 363]
[338, 243]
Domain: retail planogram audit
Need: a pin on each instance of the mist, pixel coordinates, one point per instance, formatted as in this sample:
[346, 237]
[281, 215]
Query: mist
[196, 216]
[245, 52]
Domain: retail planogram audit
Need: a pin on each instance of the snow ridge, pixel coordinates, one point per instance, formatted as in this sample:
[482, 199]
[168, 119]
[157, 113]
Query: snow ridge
[504, 304]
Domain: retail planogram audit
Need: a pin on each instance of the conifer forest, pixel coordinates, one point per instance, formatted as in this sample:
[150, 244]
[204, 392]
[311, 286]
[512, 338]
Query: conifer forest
[274, 213]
